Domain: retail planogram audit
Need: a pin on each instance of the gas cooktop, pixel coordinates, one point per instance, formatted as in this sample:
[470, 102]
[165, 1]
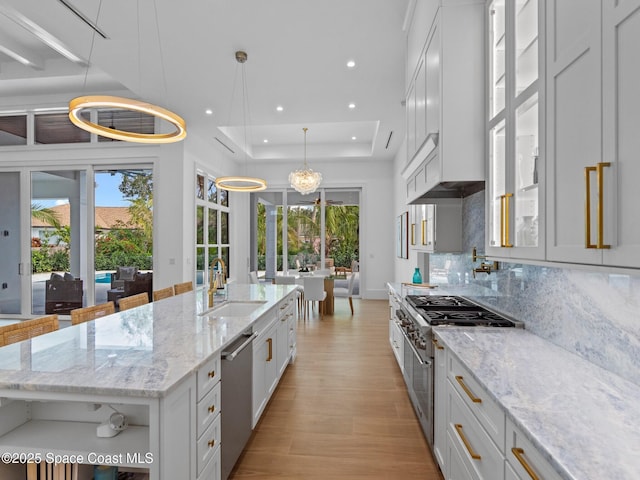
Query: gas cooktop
[440, 310]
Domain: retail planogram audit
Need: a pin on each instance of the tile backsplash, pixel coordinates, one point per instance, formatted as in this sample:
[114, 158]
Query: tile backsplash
[593, 314]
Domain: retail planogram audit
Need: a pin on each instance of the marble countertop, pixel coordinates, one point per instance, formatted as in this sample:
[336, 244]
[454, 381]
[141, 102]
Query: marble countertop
[582, 418]
[463, 289]
[142, 352]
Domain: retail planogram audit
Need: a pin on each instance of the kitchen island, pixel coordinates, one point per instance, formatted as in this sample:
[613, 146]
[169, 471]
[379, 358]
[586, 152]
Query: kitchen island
[553, 411]
[159, 364]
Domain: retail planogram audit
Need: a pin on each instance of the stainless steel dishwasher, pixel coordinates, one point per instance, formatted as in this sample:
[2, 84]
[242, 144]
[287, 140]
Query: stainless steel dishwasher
[237, 372]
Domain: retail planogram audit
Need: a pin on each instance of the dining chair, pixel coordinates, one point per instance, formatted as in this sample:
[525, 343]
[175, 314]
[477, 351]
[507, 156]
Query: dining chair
[292, 280]
[137, 300]
[81, 315]
[347, 292]
[322, 272]
[183, 287]
[162, 293]
[26, 329]
[314, 291]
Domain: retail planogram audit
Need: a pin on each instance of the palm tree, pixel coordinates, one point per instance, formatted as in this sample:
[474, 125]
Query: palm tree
[45, 215]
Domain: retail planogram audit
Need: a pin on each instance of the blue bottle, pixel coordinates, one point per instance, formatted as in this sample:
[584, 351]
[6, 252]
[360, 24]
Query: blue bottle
[417, 277]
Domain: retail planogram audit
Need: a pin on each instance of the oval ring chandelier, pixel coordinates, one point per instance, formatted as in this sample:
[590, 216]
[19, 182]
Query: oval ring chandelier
[78, 104]
[241, 183]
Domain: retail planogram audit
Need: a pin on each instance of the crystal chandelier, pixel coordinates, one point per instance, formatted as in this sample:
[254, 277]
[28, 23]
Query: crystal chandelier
[305, 180]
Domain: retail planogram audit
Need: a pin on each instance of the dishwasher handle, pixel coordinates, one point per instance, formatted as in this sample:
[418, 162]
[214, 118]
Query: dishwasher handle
[231, 355]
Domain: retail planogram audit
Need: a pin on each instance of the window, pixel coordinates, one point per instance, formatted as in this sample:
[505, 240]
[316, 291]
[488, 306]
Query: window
[212, 225]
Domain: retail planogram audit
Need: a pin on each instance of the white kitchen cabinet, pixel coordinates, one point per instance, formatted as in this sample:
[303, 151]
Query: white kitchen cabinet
[592, 77]
[437, 227]
[265, 367]
[286, 310]
[515, 190]
[524, 461]
[444, 104]
[440, 414]
[396, 337]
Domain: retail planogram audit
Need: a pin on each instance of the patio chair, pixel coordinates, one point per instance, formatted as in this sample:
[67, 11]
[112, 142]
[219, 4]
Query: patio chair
[122, 273]
[62, 294]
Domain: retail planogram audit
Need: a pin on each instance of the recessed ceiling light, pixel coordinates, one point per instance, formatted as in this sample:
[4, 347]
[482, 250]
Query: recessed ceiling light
[351, 64]
[208, 111]
[353, 138]
[279, 108]
[266, 140]
[352, 106]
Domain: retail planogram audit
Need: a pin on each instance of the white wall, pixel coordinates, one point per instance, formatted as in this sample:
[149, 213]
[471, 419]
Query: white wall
[377, 210]
[403, 268]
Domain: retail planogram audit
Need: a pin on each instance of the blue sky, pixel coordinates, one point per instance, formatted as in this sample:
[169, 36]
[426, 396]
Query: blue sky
[107, 193]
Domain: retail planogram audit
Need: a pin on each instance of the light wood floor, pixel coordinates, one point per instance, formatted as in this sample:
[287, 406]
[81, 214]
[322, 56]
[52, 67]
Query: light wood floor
[341, 411]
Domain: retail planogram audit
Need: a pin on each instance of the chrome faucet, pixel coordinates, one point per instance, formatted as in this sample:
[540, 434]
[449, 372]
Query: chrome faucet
[219, 281]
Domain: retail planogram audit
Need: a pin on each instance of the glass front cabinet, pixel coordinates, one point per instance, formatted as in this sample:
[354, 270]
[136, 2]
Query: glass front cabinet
[515, 177]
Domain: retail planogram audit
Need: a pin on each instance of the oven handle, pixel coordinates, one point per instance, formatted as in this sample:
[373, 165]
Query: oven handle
[424, 363]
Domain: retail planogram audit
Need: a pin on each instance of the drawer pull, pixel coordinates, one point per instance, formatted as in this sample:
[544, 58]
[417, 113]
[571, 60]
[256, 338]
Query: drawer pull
[211, 374]
[471, 451]
[519, 454]
[211, 409]
[466, 389]
[435, 342]
[211, 443]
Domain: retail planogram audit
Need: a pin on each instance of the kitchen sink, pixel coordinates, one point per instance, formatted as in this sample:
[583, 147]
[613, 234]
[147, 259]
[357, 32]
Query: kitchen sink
[234, 308]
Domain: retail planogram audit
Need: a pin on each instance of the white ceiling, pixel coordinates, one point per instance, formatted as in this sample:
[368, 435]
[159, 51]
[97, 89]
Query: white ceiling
[181, 55]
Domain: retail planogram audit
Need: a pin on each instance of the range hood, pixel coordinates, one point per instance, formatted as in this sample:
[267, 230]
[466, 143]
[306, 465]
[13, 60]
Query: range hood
[458, 189]
[428, 178]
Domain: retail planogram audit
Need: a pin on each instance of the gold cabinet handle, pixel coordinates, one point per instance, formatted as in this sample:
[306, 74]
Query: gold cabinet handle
[435, 342]
[519, 454]
[211, 374]
[599, 169]
[507, 201]
[211, 409]
[211, 443]
[270, 343]
[413, 234]
[424, 232]
[587, 207]
[467, 445]
[467, 390]
[600, 178]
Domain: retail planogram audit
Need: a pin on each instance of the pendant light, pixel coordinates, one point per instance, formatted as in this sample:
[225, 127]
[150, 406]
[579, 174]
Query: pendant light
[305, 180]
[240, 183]
[79, 104]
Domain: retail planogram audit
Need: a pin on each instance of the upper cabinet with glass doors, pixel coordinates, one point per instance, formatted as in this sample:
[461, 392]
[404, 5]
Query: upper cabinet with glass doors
[515, 188]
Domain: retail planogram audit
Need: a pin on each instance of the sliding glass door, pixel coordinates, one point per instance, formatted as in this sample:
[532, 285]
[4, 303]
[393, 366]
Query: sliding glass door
[294, 231]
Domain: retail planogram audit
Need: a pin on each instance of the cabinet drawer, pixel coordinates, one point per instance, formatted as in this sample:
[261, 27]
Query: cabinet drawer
[525, 460]
[486, 410]
[208, 443]
[208, 375]
[472, 441]
[212, 470]
[208, 408]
